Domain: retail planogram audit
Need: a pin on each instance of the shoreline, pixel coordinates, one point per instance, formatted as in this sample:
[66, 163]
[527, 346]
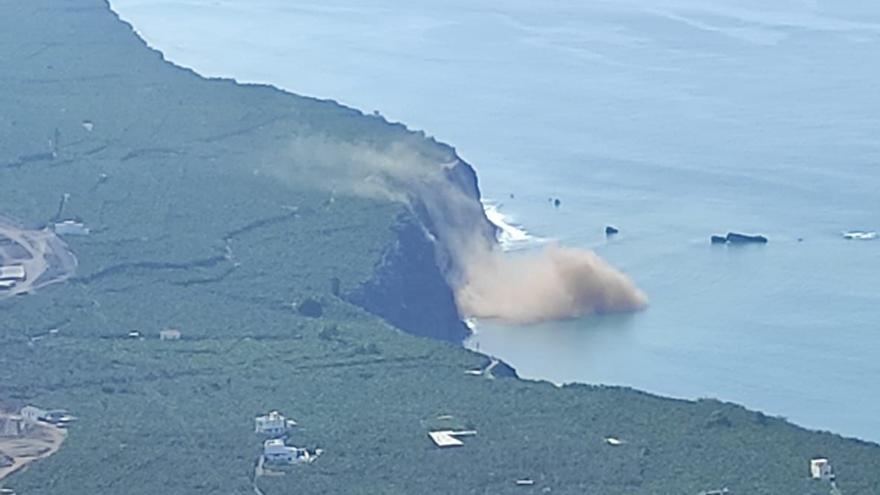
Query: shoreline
[512, 236]
[332, 371]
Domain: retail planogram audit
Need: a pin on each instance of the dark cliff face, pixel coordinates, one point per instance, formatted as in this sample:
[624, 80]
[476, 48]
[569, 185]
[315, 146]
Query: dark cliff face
[463, 175]
[214, 120]
[409, 291]
[411, 288]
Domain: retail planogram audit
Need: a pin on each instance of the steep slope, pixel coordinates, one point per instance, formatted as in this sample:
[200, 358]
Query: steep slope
[155, 145]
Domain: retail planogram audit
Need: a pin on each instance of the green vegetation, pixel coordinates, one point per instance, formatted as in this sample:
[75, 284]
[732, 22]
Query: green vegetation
[186, 234]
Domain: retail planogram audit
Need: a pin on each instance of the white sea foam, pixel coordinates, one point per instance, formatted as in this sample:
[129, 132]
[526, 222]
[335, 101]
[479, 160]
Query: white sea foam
[471, 323]
[511, 236]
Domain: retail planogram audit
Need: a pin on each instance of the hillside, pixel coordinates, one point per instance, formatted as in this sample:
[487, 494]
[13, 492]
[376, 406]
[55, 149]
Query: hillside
[200, 221]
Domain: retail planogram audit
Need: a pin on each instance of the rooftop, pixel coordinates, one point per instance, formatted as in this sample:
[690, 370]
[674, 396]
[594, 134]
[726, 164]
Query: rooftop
[12, 272]
[448, 438]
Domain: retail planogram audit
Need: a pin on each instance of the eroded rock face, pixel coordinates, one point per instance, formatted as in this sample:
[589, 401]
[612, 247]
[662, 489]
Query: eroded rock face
[409, 291]
[414, 285]
[31, 259]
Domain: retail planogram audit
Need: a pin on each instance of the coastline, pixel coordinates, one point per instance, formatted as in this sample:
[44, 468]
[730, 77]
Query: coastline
[511, 236]
[247, 351]
[605, 165]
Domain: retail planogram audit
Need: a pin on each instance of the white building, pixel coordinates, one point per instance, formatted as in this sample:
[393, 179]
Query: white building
[57, 417]
[449, 438]
[820, 469]
[71, 227]
[15, 273]
[13, 426]
[273, 424]
[169, 334]
[32, 414]
[275, 451]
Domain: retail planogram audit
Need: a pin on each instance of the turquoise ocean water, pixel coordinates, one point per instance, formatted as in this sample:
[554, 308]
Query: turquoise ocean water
[670, 119]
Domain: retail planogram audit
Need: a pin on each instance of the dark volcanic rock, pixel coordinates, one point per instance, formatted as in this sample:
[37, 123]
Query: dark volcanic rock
[737, 238]
[409, 291]
[504, 370]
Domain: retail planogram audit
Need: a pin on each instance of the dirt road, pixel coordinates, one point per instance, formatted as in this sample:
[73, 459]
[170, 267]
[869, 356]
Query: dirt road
[39, 443]
[45, 257]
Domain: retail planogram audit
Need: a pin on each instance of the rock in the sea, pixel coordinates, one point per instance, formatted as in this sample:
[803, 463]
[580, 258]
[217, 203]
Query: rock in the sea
[610, 230]
[737, 238]
[860, 235]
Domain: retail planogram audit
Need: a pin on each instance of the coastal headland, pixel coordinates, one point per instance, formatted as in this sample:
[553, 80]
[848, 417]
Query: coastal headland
[286, 294]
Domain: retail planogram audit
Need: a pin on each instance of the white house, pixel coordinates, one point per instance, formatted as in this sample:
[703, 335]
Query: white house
[57, 417]
[33, 414]
[71, 227]
[13, 426]
[275, 451]
[273, 424]
[169, 334]
[449, 438]
[15, 273]
[820, 469]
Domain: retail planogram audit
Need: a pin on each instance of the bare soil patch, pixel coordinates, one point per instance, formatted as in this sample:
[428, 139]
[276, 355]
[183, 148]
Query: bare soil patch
[39, 442]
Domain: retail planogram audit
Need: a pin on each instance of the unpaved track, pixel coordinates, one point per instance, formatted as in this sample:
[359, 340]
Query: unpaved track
[39, 443]
[47, 260]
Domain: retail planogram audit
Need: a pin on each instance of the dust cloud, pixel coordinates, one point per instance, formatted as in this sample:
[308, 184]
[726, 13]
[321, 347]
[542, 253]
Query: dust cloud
[548, 284]
[553, 283]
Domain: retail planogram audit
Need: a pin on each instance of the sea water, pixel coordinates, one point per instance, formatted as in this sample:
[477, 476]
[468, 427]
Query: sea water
[670, 119]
